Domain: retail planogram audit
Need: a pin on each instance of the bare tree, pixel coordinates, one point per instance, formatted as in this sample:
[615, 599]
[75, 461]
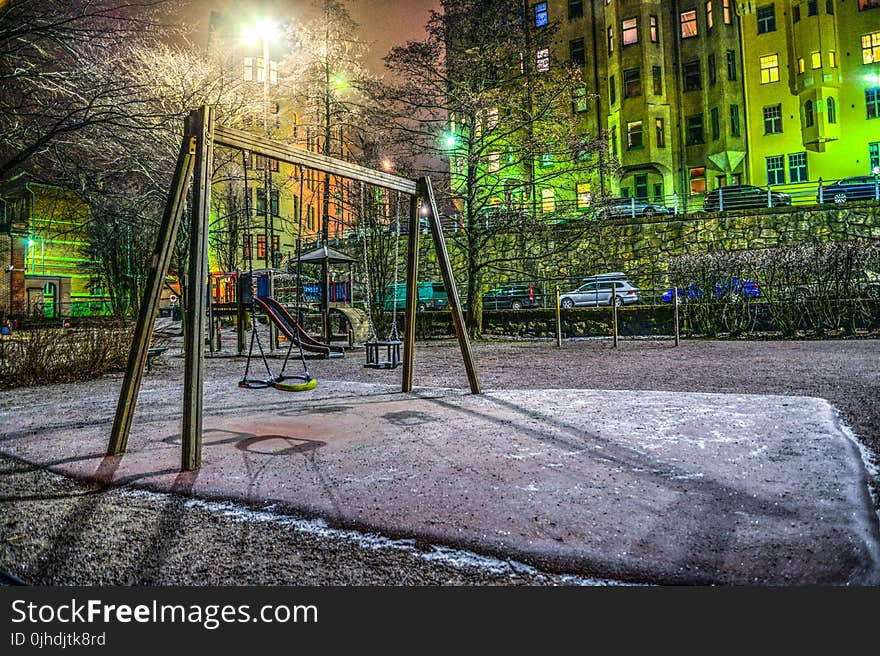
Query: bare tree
[482, 95]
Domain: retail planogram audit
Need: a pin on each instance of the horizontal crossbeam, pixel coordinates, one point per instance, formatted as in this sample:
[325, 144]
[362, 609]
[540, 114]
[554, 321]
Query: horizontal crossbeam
[224, 136]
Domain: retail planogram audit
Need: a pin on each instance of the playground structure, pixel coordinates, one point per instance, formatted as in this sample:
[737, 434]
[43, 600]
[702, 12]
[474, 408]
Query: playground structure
[195, 160]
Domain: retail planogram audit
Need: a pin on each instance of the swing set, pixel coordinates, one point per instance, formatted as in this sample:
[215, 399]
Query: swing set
[195, 160]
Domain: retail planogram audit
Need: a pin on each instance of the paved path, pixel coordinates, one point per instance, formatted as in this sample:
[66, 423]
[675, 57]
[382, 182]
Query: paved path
[641, 486]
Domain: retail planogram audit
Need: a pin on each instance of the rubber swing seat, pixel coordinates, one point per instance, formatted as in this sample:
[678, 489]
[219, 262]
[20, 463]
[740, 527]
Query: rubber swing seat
[294, 383]
[254, 383]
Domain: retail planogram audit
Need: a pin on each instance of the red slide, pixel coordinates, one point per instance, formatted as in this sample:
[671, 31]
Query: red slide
[291, 329]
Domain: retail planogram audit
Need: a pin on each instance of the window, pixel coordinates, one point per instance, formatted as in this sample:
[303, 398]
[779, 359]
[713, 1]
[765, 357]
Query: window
[773, 119]
[697, 177]
[584, 196]
[640, 185]
[801, 67]
[245, 246]
[832, 59]
[728, 15]
[660, 132]
[713, 74]
[766, 19]
[610, 40]
[871, 48]
[260, 203]
[630, 31]
[715, 123]
[710, 18]
[261, 247]
[655, 34]
[775, 170]
[688, 24]
[809, 119]
[543, 60]
[541, 16]
[634, 135]
[632, 82]
[796, 14]
[829, 7]
[769, 69]
[613, 140]
[812, 7]
[658, 192]
[577, 52]
[548, 200]
[816, 60]
[832, 111]
[248, 69]
[695, 130]
[273, 202]
[691, 75]
[797, 167]
[872, 102]
[580, 102]
[731, 65]
[865, 4]
[547, 160]
[734, 120]
[261, 71]
[273, 72]
[575, 9]
[612, 90]
[874, 156]
[494, 162]
[657, 75]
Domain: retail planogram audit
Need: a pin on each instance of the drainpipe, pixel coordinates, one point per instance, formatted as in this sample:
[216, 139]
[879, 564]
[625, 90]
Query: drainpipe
[598, 95]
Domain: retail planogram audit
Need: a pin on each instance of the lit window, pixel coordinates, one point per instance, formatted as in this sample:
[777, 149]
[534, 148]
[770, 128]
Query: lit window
[832, 59]
[688, 24]
[634, 135]
[610, 40]
[655, 35]
[261, 72]
[697, 177]
[710, 16]
[816, 60]
[809, 117]
[775, 170]
[874, 156]
[546, 160]
[728, 15]
[632, 83]
[871, 48]
[660, 132]
[797, 167]
[769, 69]
[766, 19]
[548, 200]
[773, 119]
[494, 162]
[543, 60]
[581, 98]
[584, 195]
[261, 247]
[801, 65]
[630, 31]
[872, 102]
[248, 69]
[541, 16]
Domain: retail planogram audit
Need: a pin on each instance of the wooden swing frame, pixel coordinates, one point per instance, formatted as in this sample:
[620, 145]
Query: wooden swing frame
[195, 160]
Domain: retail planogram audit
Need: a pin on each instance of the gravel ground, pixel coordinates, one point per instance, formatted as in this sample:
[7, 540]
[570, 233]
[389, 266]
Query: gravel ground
[55, 531]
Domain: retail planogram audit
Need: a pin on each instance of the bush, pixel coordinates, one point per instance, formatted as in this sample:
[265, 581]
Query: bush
[54, 355]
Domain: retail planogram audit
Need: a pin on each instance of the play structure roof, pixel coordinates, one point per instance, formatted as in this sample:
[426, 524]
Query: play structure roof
[327, 254]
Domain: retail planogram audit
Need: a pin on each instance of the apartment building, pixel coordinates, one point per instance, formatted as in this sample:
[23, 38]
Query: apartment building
[698, 94]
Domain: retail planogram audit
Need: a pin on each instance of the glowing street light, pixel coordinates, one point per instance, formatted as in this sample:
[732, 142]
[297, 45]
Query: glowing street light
[449, 140]
[387, 164]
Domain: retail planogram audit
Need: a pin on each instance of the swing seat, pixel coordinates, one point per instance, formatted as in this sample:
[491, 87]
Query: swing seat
[294, 383]
[392, 354]
[254, 383]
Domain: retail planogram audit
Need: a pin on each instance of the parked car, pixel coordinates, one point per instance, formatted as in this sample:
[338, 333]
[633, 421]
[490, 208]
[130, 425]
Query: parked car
[629, 207]
[515, 297]
[858, 187]
[432, 296]
[738, 197]
[734, 289]
[597, 290]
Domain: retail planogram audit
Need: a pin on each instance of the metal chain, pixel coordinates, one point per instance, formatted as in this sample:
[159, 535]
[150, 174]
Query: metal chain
[393, 334]
[363, 228]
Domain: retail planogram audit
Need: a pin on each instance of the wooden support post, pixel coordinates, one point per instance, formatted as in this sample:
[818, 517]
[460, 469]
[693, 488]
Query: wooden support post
[161, 258]
[412, 294]
[197, 276]
[614, 312]
[675, 315]
[558, 320]
[240, 316]
[449, 282]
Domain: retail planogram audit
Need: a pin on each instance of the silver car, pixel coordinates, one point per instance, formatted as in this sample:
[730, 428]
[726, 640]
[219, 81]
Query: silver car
[598, 290]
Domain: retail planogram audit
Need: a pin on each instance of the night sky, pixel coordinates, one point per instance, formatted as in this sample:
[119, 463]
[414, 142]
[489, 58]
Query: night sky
[384, 23]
